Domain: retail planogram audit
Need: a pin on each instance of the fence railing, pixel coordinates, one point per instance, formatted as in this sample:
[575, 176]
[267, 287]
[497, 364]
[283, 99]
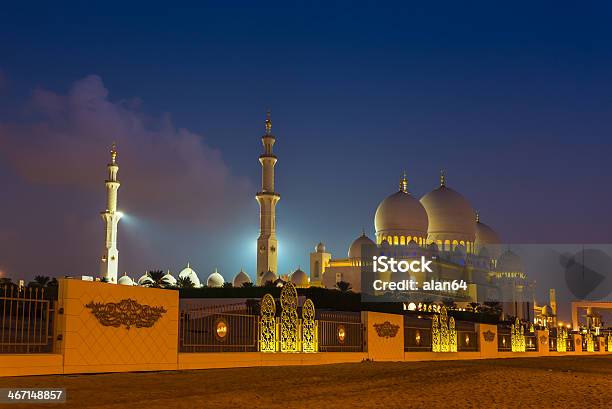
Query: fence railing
[26, 320]
[417, 339]
[504, 340]
[467, 341]
[339, 331]
[531, 342]
[340, 336]
[217, 329]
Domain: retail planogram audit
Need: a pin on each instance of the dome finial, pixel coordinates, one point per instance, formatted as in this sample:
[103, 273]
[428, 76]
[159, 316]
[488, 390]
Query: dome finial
[113, 153]
[404, 183]
[442, 178]
[477, 216]
[268, 123]
[363, 231]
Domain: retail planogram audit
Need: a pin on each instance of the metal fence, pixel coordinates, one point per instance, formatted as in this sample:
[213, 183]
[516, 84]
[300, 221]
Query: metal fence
[467, 341]
[531, 342]
[504, 339]
[339, 331]
[228, 328]
[26, 320]
[417, 333]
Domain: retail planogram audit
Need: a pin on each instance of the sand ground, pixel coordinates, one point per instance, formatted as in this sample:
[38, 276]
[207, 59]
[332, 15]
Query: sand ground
[559, 382]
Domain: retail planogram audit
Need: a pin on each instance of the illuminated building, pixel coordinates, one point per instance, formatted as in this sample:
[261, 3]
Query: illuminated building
[441, 225]
[267, 198]
[110, 256]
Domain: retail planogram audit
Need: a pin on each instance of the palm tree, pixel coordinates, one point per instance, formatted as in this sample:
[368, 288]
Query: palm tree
[158, 279]
[474, 306]
[344, 286]
[41, 281]
[248, 284]
[227, 285]
[184, 282]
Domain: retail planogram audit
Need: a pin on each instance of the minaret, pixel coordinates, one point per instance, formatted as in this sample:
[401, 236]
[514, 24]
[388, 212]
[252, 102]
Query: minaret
[111, 217]
[267, 199]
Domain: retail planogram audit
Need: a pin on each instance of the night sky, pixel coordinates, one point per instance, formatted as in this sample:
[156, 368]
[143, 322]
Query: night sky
[513, 100]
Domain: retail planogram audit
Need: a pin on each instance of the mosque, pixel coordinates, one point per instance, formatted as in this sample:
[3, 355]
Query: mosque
[442, 225]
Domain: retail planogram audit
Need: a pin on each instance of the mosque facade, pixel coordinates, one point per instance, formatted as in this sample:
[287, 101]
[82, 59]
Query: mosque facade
[441, 225]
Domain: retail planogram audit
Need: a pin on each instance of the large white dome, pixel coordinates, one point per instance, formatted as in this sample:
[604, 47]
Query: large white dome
[451, 216]
[402, 215]
[487, 240]
[241, 278]
[191, 274]
[215, 280]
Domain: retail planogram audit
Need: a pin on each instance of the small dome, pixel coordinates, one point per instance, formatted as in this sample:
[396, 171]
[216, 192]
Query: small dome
[191, 274]
[169, 279]
[125, 280]
[320, 248]
[401, 214]
[451, 216]
[299, 278]
[145, 279]
[358, 243]
[268, 276]
[241, 278]
[215, 280]
[510, 262]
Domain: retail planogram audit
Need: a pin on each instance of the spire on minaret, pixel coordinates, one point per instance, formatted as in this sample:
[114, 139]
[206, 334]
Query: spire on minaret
[403, 183]
[268, 124]
[442, 178]
[114, 154]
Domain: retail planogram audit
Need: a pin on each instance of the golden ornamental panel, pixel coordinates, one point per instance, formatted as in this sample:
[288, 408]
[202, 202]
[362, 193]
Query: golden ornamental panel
[289, 332]
[126, 312]
[267, 325]
[309, 327]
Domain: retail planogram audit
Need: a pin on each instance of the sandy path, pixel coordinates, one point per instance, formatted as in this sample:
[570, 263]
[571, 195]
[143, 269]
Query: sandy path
[537, 382]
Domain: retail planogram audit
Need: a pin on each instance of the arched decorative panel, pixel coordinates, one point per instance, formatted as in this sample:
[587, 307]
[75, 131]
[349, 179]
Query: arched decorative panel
[309, 327]
[289, 339]
[452, 335]
[267, 325]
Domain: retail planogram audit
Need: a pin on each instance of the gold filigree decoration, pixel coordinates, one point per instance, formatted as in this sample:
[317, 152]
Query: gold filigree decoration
[267, 325]
[444, 338]
[309, 327]
[561, 340]
[452, 335]
[435, 334]
[289, 337]
[518, 337]
[488, 335]
[128, 313]
[443, 332]
[386, 329]
[590, 341]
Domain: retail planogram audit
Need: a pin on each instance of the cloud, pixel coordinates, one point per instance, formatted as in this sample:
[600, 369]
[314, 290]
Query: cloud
[167, 173]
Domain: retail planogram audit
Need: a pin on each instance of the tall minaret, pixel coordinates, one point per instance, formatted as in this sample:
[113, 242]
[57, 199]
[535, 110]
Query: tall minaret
[267, 199]
[111, 217]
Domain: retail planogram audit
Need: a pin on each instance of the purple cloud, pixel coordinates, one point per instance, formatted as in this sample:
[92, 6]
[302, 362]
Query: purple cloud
[168, 173]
